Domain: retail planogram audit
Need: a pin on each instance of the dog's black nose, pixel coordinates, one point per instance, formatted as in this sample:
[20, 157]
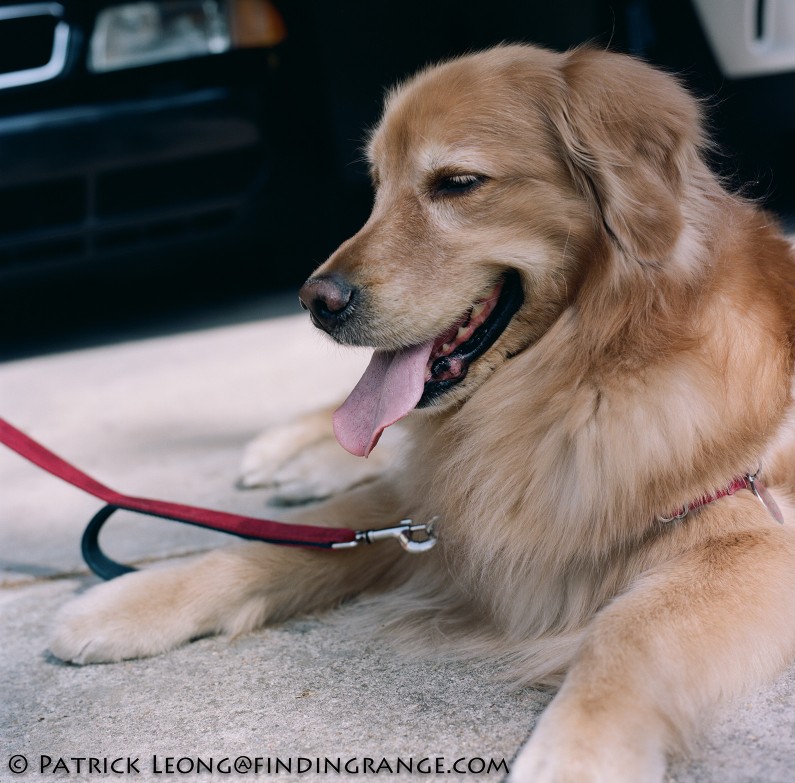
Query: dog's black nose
[327, 298]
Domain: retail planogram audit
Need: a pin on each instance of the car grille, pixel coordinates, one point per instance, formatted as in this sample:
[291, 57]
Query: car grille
[127, 208]
[26, 42]
[33, 43]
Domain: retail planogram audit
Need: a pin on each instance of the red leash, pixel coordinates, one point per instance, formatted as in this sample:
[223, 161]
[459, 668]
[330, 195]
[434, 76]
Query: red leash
[246, 527]
[265, 529]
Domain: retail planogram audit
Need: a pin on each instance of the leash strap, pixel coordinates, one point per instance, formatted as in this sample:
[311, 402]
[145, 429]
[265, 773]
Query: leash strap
[245, 527]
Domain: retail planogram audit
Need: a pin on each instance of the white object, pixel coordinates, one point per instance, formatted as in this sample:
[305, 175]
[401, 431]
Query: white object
[750, 37]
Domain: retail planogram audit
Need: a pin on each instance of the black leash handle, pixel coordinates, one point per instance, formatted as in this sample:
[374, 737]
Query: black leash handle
[95, 558]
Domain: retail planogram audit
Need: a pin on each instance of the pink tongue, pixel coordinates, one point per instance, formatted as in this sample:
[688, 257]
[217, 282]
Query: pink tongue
[390, 388]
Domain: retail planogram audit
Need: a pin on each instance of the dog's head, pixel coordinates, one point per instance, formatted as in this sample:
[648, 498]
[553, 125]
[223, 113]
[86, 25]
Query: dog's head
[504, 182]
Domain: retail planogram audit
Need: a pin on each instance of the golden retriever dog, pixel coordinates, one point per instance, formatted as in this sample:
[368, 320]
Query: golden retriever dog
[591, 342]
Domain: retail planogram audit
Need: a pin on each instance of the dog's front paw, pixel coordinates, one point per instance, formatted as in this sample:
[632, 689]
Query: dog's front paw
[302, 462]
[575, 746]
[322, 471]
[133, 616]
[575, 763]
[536, 765]
[267, 456]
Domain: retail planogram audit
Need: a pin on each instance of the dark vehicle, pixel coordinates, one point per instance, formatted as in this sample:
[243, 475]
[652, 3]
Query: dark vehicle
[134, 136]
[153, 153]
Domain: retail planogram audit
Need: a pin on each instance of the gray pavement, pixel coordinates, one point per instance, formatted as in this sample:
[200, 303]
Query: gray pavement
[168, 417]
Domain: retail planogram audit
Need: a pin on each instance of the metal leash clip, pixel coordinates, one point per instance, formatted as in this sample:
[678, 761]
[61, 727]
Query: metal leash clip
[404, 532]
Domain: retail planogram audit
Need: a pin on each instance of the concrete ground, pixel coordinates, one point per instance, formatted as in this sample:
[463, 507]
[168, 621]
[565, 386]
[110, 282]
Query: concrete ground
[168, 417]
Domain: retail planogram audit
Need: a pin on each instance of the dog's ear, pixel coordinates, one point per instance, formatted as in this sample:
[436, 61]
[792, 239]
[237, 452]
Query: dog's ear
[631, 135]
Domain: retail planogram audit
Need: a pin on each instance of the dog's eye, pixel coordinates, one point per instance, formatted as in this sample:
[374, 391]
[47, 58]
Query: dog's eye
[456, 184]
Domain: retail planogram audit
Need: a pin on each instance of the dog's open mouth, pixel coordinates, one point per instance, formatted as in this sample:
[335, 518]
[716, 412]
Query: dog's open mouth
[396, 382]
[471, 337]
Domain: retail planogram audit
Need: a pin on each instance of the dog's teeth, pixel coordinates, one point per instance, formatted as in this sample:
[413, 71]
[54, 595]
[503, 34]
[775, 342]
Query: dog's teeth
[446, 347]
[463, 333]
[477, 310]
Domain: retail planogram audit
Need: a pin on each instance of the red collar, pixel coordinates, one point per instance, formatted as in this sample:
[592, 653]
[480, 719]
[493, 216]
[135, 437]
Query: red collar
[746, 481]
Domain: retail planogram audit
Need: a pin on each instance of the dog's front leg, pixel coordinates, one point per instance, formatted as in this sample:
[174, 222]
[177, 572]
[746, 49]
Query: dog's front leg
[230, 591]
[685, 636]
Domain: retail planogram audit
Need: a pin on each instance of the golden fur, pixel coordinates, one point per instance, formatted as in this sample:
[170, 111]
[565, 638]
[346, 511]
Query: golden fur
[650, 364]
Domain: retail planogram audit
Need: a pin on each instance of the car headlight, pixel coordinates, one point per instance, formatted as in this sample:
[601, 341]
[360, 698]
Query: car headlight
[143, 33]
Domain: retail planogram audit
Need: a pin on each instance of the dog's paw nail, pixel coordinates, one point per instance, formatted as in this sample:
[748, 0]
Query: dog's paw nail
[72, 643]
[254, 480]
